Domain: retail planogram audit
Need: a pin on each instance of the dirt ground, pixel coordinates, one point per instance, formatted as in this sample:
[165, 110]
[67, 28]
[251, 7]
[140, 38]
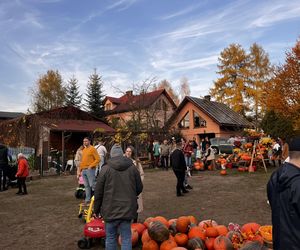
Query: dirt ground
[47, 217]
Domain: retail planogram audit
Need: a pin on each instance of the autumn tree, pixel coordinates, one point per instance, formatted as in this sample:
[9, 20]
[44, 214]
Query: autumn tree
[230, 88]
[283, 91]
[165, 84]
[49, 92]
[72, 92]
[260, 71]
[184, 88]
[94, 95]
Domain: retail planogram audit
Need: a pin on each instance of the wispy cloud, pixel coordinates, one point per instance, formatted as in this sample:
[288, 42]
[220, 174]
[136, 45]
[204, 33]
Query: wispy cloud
[121, 5]
[181, 12]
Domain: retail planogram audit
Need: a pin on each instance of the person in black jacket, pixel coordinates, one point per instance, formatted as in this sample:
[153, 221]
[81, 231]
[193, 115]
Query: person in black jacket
[117, 188]
[179, 167]
[284, 196]
[3, 166]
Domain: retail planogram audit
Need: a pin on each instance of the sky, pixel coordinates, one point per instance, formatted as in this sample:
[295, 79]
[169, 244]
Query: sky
[130, 41]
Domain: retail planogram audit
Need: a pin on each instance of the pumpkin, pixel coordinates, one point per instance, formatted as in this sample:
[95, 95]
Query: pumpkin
[211, 232]
[179, 248]
[195, 243]
[139, 227]
[193, 220]
[181, 239]
[182, 224]
[168, 245]
[209, 243]
[173, 229]
[134, 237]
[235, 238]
[199, 165]
[251, 227]
[162, 220]
[257, 237]
[150, 245]
[222, 230]
[210, 167]
[148, 221]
[145, 236]
[223, 243]
[158, 231]
[223, 172]
[241, 169]
[266, 232]
[207, 223]
[197, 232]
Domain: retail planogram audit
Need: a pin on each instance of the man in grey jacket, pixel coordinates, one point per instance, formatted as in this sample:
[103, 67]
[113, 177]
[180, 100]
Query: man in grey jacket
[118, 185]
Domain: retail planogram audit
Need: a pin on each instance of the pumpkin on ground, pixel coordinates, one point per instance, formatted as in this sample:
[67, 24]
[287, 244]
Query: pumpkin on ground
[181, 239]
[179, 248]
[150, 245]
[158, 231]
[235, 238]
[211, 232]
[209, 243]
[182, 224]
[197, 232]
[139, 227]
[195, 243]
[223, 243]
[145, 236]
[193, 220]
[162, 220]
[168, 245]
[148, 221]
[251, 227]
[222, 230]
[223, 172]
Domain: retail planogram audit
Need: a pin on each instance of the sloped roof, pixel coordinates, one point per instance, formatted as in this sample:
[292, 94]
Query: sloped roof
[219, 112]
[10, 115]
[129, 102]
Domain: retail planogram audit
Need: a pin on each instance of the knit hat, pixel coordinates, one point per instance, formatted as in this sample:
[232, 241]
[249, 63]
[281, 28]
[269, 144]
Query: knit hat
[294, 144]
[116, 150]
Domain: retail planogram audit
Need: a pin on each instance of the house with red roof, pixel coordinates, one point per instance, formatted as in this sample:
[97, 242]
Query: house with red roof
[153, 109]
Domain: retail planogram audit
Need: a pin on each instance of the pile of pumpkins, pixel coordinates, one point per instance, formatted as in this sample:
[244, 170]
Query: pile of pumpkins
[186, 233]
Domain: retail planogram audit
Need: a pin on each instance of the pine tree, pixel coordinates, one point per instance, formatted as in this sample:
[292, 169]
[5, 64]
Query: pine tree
[94, 95]
[72, 93]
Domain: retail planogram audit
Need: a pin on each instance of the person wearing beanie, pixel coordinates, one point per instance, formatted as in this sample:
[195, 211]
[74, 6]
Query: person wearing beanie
[117, 188]
[283, 191]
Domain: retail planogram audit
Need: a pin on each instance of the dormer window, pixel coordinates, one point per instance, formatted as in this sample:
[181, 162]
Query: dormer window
[185, 122]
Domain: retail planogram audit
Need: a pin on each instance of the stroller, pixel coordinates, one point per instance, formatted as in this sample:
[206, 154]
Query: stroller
[93, 229]
[80, 191]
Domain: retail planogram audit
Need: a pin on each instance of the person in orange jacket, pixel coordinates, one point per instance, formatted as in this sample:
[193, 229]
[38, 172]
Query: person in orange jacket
[23, 172]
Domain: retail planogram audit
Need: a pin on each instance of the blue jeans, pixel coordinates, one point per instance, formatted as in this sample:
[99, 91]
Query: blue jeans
[111, 229]
[89, 182]
[188, 160]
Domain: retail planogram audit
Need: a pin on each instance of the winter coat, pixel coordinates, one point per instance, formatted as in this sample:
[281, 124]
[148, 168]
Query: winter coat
[3, 156]
[283, 191]
[177, 161]
[164, 150]
[117, 188]
[23, 168]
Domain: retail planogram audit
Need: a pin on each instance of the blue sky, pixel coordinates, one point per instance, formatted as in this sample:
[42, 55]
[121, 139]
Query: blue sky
[129, 41]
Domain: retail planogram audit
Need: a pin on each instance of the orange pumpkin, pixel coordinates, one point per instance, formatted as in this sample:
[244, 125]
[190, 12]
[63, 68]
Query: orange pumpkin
[210, 167]
[209, 243]
[150, 245]
[197, 232]
[266, 232]
[145, 236]
[223, 172]
[179, 248]
[251, 227]
[211, 232]
[182, 224]
[223, 243]
[193, 220]
[139, 227]
[181, 239]
[222, 230]
[168, 245]
[162, 220]
[207, 223]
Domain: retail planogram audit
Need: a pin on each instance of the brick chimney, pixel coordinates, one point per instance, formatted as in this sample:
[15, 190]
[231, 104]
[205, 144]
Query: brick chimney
[207, 97]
